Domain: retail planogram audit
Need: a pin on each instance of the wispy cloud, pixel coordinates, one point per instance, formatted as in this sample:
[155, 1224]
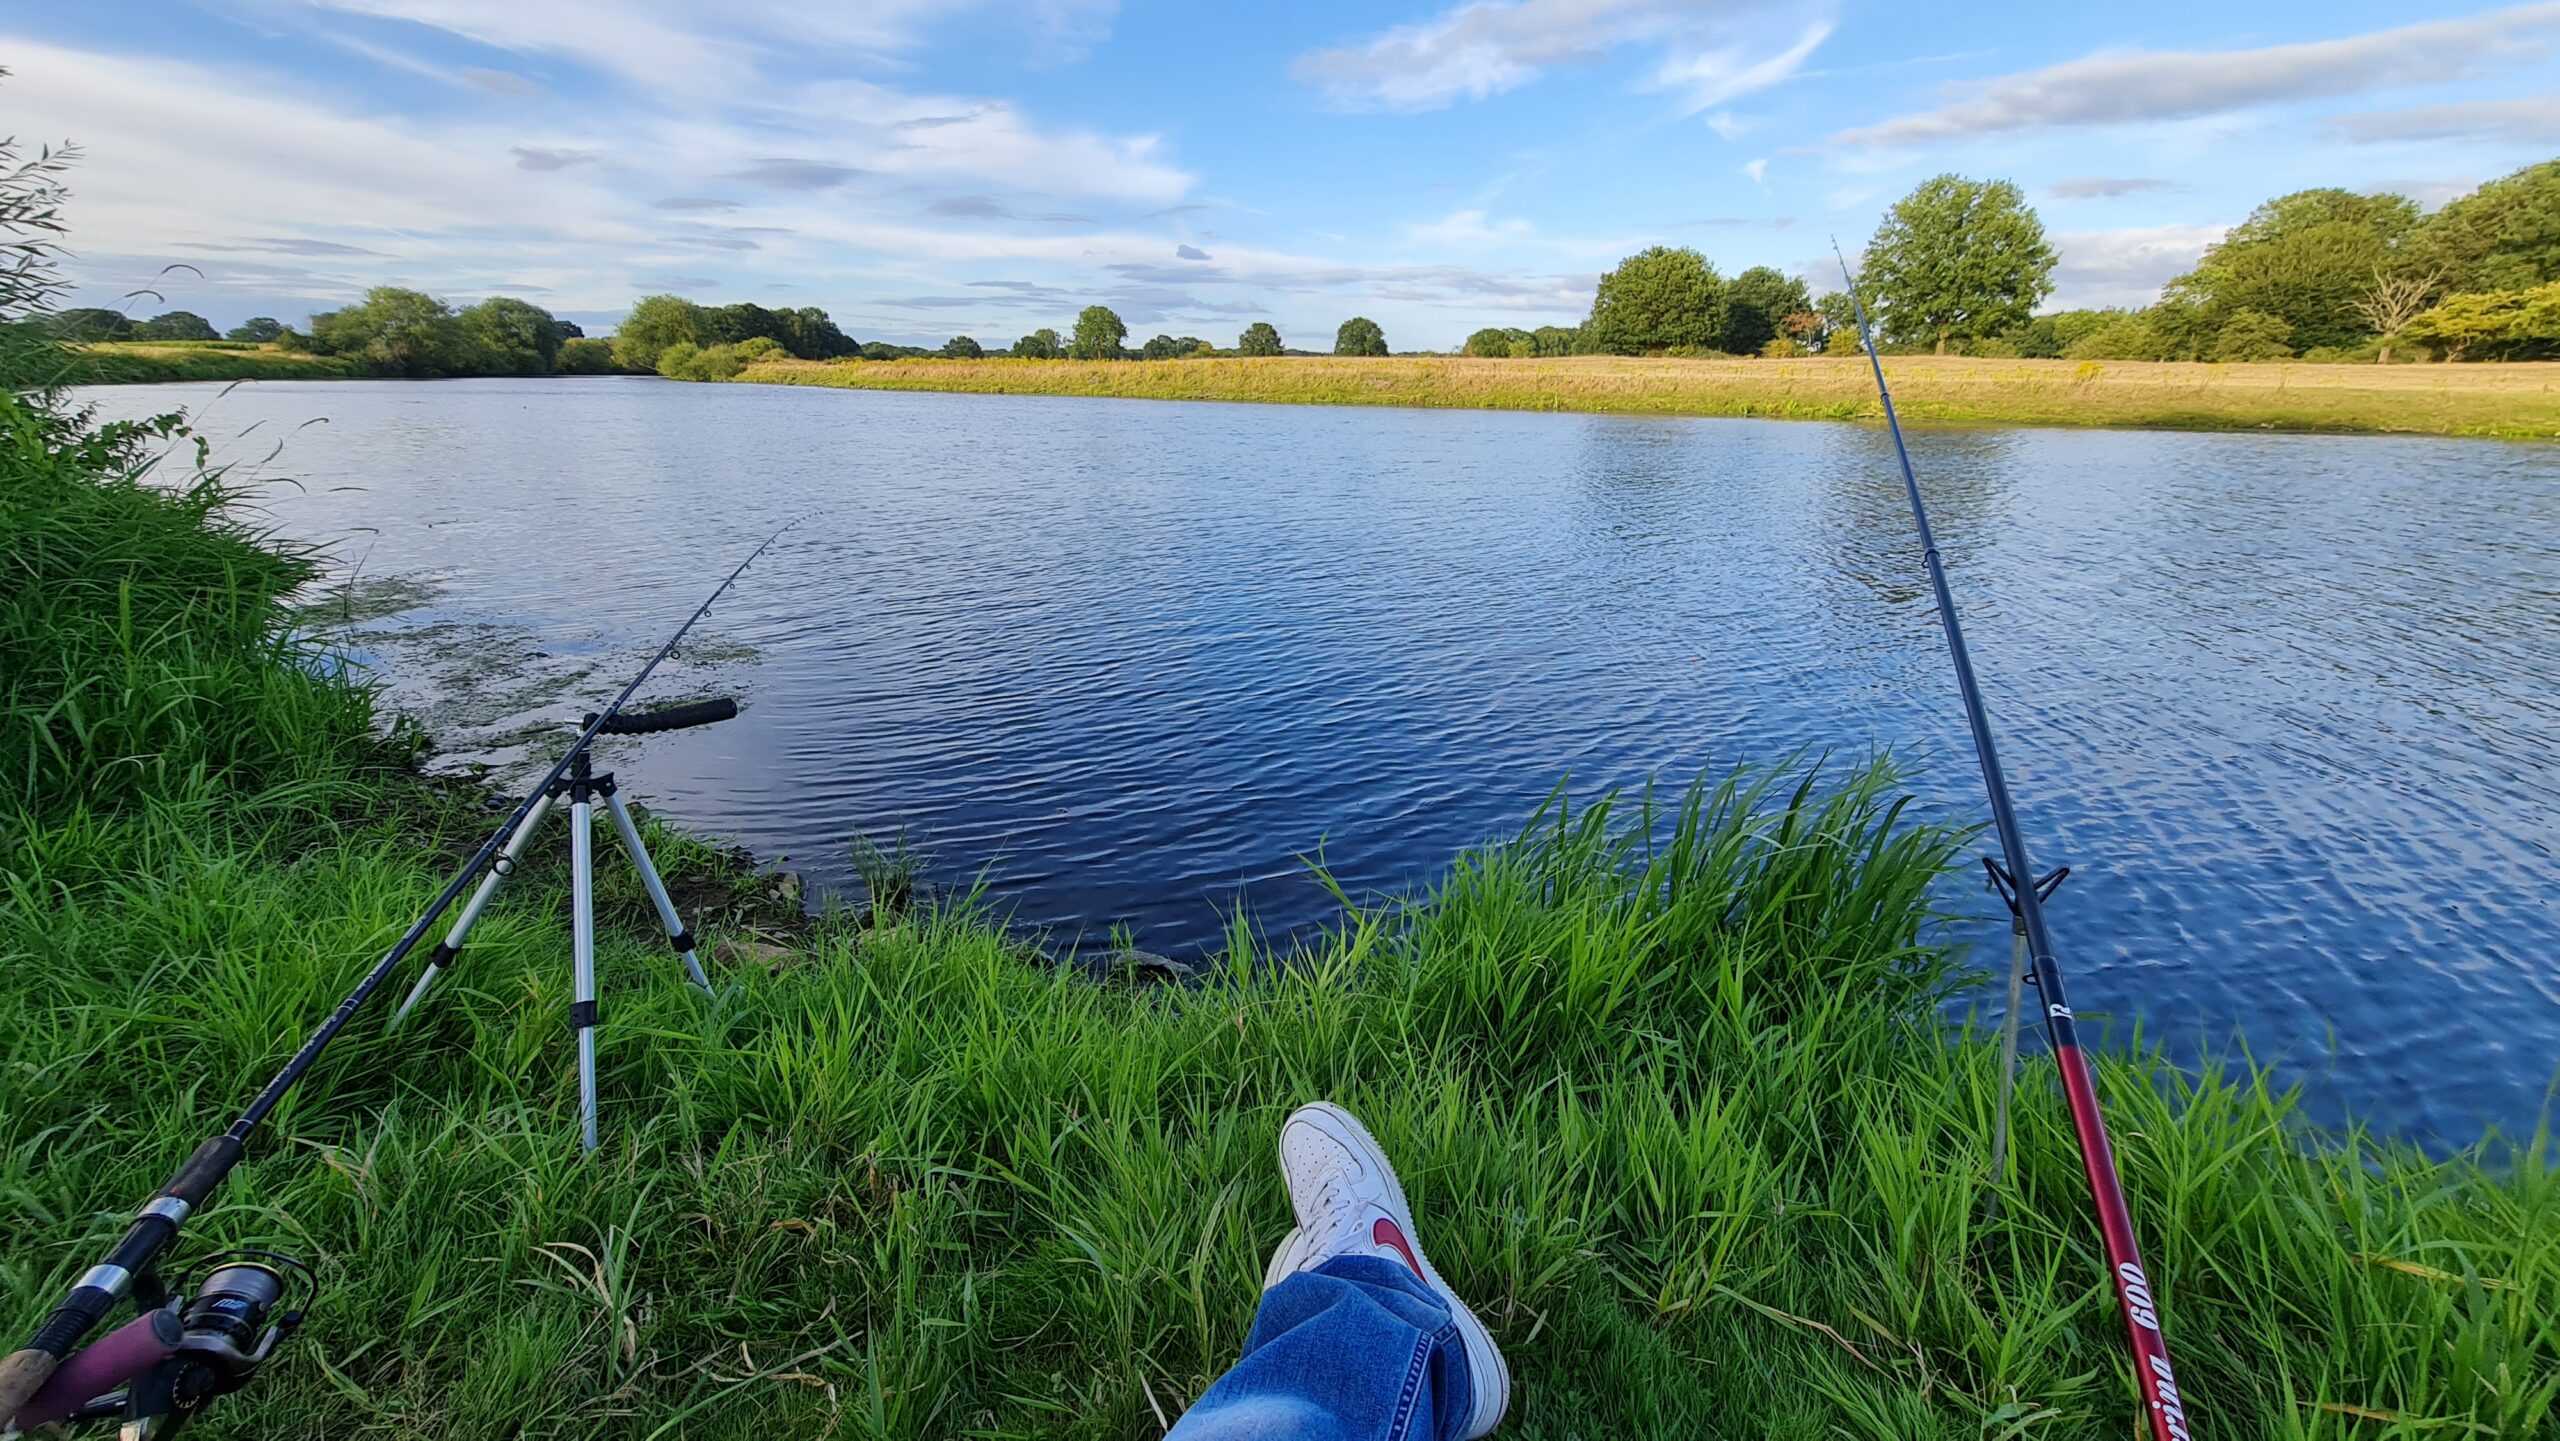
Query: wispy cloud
[2125, 267]
[2534, 120]
[1713, 77]
[1486, 47]
[2104, 187]
[548, 158]
[786, 173]
[2140, 86]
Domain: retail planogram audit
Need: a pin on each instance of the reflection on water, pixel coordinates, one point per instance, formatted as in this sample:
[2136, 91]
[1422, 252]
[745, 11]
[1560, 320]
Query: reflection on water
[2283, 703]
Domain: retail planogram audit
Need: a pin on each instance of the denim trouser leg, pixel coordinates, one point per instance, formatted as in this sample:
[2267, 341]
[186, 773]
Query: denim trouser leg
[1357, 1349]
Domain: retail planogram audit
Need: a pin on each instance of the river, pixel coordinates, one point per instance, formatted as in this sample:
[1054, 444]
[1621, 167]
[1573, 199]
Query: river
[2283, 703]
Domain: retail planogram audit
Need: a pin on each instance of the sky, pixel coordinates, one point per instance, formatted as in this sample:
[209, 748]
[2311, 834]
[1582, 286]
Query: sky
[926, 168]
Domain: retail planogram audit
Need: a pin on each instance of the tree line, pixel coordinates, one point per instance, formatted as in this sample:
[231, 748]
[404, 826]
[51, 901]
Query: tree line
[1960, 266]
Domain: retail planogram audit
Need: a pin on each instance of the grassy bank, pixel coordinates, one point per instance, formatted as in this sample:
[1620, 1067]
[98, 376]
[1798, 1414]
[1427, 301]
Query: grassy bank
[143, 362]
[1678, 1118]
[2512, 401]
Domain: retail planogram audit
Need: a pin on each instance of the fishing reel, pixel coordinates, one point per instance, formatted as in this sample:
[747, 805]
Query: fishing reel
[210, 1344]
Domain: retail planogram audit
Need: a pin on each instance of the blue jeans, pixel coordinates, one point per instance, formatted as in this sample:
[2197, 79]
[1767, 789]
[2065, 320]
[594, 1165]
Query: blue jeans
[1357, 1349]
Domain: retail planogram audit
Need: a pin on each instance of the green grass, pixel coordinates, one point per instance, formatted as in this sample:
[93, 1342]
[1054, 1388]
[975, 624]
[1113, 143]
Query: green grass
[1668, 1090]
[147, 362]
[2505, 401]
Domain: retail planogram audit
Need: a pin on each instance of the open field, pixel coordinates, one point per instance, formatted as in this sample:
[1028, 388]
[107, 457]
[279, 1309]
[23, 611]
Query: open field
[2512, 401]
[143, 362]
[1673, 1102]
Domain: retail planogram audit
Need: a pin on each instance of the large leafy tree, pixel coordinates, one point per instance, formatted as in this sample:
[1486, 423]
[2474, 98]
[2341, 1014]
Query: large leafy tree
[1656, 299]
[961, 347]
[88, 322]
[1958, 259]
[1041, 344]
[393, 332]
[1360, 336]
[655, 322]
[1757, 304]
[1259, 338]
[2308, 259]
[1162, 347]
[260, 329]
[2503, 236]
[177, 325]
[1099, 332]
[506, 336]
[1496, 342]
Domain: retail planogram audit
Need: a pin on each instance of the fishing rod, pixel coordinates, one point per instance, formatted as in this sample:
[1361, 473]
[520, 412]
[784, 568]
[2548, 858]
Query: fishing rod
[2025, 892]
[175, 1357]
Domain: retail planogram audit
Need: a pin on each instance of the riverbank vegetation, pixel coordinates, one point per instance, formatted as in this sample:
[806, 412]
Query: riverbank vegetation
[2510, 401]
[1671, 1090]
[1671, 1094]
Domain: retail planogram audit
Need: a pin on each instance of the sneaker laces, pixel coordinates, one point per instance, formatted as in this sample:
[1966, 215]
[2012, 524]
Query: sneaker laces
[1337, 1224]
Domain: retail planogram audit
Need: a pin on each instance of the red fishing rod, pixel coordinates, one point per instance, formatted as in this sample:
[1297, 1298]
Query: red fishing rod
[2164, 1405]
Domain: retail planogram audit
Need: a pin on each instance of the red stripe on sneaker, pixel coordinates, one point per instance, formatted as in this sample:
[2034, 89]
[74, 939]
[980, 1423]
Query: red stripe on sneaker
[1387, 1233]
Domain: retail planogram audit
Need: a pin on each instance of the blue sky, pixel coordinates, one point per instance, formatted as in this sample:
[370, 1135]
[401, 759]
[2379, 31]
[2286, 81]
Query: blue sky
[922, 168]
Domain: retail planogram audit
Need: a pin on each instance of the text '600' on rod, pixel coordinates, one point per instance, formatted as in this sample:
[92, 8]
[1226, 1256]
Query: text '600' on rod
[138, 1254]
[2165, 1407]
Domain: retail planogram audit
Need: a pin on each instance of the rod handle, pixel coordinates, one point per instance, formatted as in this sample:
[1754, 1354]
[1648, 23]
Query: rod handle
[21, 1376]
[671, 718]
[116, 1358]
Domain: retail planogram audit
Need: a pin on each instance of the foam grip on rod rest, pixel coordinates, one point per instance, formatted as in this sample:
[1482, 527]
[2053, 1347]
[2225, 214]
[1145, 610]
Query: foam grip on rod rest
[116, 1358]
[673, 718]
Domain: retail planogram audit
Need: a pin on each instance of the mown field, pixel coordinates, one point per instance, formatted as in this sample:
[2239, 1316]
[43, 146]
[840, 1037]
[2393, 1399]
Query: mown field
[2510, 401]
[1673, 1100]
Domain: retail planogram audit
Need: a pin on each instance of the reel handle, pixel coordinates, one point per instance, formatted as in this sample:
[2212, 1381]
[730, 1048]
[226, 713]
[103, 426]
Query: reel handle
[115, 1359]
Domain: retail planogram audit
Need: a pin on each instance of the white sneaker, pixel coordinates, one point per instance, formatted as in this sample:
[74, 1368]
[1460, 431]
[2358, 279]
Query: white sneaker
[1349, 1204]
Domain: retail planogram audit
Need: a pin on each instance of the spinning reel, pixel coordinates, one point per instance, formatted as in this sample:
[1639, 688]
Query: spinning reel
[157, 1371]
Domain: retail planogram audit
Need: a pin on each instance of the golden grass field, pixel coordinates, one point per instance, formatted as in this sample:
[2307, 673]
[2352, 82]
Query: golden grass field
[141, 362]
[2508, 401]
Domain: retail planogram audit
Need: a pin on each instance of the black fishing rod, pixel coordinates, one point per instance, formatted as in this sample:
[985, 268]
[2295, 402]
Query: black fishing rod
[2164, 1406]
[226, 1332]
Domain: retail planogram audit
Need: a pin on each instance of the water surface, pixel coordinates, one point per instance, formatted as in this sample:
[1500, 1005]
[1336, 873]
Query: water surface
[2283, 703]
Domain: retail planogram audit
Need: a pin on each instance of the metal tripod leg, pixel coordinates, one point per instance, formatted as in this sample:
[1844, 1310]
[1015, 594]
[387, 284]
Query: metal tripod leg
[582, 951]
[451, 946]
[2008, 1060]
[681, 938]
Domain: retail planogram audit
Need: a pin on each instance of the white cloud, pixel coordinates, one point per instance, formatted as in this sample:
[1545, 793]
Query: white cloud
[1486, 47]
[1758, 170]
[2104, 187]
[2139, 86]
[1716, 76]
[2534, 120]
[1468, 227]
[2124, 267]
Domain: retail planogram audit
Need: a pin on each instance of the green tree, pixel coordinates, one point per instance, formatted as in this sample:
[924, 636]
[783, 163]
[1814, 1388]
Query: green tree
[1099, 333]
[2253, 335]
[1192, 345]
[961, 347]
[506, 336]
[393, 332]
[1162, 347]
[2492, 325]
[1957, 259]
[582, 356]
[2503, 236]
[1495, 342]
[1555, 339]
[1839, 315]
[1657, 299]
[1360, 336]
[257, 329]
[88, 323]
[1757, 304]
[177, 325]
[1041, 344]
[2307, 259]
[1259, 338]
[2046, 337]
[2131, 336]
[655, 322]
